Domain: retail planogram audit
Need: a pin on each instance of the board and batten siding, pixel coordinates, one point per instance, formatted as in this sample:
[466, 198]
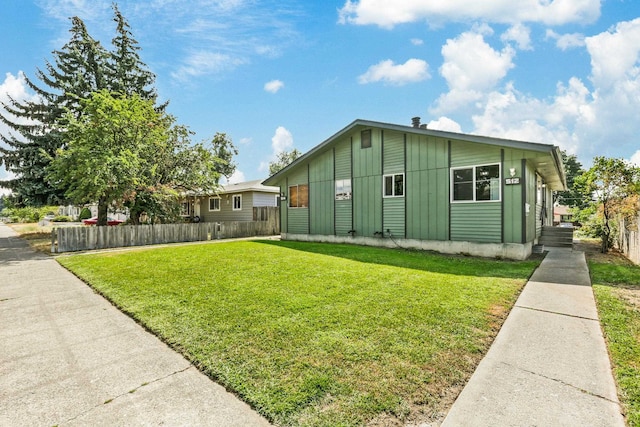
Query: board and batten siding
[367, 200]
[297, 221]
[321, 194]
[343, 208]
[475, 221]
[367, 185]
[393, 159]
[512, 196]
[427, 188]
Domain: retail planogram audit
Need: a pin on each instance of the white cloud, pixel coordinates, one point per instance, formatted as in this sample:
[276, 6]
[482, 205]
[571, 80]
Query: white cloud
[417, 42]
[635, 158]
[445, 124]
[281, 141]
[273, 86]
[566, 41]
[412, 71]
[520, 34]
[387, 14]
[597, 121]
[614, 53]
[13, 87]
[236, 177]
[245, 141]
[207, 37]
[471, 67]
[203, 62]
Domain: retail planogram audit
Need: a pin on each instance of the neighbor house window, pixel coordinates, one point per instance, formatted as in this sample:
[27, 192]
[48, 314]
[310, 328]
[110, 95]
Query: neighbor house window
[214, 203]
[237, 202]
[299, 196]
[343, 189]
[365, 138]
[185, 209]
[476, 183]
[393, 185]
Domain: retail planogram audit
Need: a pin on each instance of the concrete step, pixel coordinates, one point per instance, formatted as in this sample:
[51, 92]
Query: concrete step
[559, 237]
[556, 240]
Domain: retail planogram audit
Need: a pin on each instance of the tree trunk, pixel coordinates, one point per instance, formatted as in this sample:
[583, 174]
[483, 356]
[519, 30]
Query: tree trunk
[102, 211]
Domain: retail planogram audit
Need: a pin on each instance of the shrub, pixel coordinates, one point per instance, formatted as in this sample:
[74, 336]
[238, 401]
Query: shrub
[85, 213]
[62, 218]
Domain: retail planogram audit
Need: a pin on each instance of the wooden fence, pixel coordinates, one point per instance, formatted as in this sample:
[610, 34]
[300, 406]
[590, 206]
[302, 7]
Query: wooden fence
[629, 239]
[69, 239]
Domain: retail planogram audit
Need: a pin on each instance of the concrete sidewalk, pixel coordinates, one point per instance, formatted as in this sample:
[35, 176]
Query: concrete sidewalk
[68, 357]
[549, 365]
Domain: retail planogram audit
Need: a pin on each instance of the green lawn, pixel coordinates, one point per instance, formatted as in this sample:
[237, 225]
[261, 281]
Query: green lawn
[317, 334]
[616, 286]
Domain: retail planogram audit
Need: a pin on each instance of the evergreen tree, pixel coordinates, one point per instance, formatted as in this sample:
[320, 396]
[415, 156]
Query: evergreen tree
[128, 74]
[81, 68]
[78, 69]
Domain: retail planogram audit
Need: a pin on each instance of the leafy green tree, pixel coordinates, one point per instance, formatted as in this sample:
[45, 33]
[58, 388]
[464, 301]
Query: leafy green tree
[283, 159]
[612, 185]
[79, 69]
[108, 149]
[181, 169]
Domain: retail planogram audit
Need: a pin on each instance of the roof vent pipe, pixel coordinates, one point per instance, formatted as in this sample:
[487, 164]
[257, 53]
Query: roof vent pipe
[415, 122]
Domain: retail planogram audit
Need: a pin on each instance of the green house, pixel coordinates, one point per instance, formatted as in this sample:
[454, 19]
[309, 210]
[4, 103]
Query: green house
[391, 185]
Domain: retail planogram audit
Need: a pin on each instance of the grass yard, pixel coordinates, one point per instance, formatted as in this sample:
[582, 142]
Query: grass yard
[317, 334]
[616, 286]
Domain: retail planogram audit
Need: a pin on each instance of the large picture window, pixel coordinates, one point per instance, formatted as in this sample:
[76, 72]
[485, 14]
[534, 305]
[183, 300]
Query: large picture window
[476, 183]
[214, 203]
[393, 185]
[299, 196]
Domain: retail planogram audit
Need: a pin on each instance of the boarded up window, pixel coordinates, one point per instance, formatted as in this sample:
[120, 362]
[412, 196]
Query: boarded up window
[365, 138]
[299, 196]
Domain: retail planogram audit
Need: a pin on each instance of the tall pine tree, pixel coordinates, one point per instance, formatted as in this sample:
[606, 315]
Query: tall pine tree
[78, 69]
[82, 67]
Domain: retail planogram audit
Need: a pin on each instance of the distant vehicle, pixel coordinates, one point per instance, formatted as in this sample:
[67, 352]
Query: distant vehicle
[94, 221]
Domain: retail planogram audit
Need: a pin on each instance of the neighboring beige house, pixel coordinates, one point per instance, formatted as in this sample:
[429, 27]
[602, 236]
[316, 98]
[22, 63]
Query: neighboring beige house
[233, 202]
[561, 214]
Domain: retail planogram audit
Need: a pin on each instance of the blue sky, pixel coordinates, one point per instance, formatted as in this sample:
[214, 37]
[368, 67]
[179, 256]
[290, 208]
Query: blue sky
[276, 75]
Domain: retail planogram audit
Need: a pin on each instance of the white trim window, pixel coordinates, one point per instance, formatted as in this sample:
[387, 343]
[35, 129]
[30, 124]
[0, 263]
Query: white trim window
[393, 185]
[480, 183]
[237, 202]
[214, 204]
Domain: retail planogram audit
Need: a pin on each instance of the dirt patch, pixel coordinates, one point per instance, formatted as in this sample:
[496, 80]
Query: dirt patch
[591, 249]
